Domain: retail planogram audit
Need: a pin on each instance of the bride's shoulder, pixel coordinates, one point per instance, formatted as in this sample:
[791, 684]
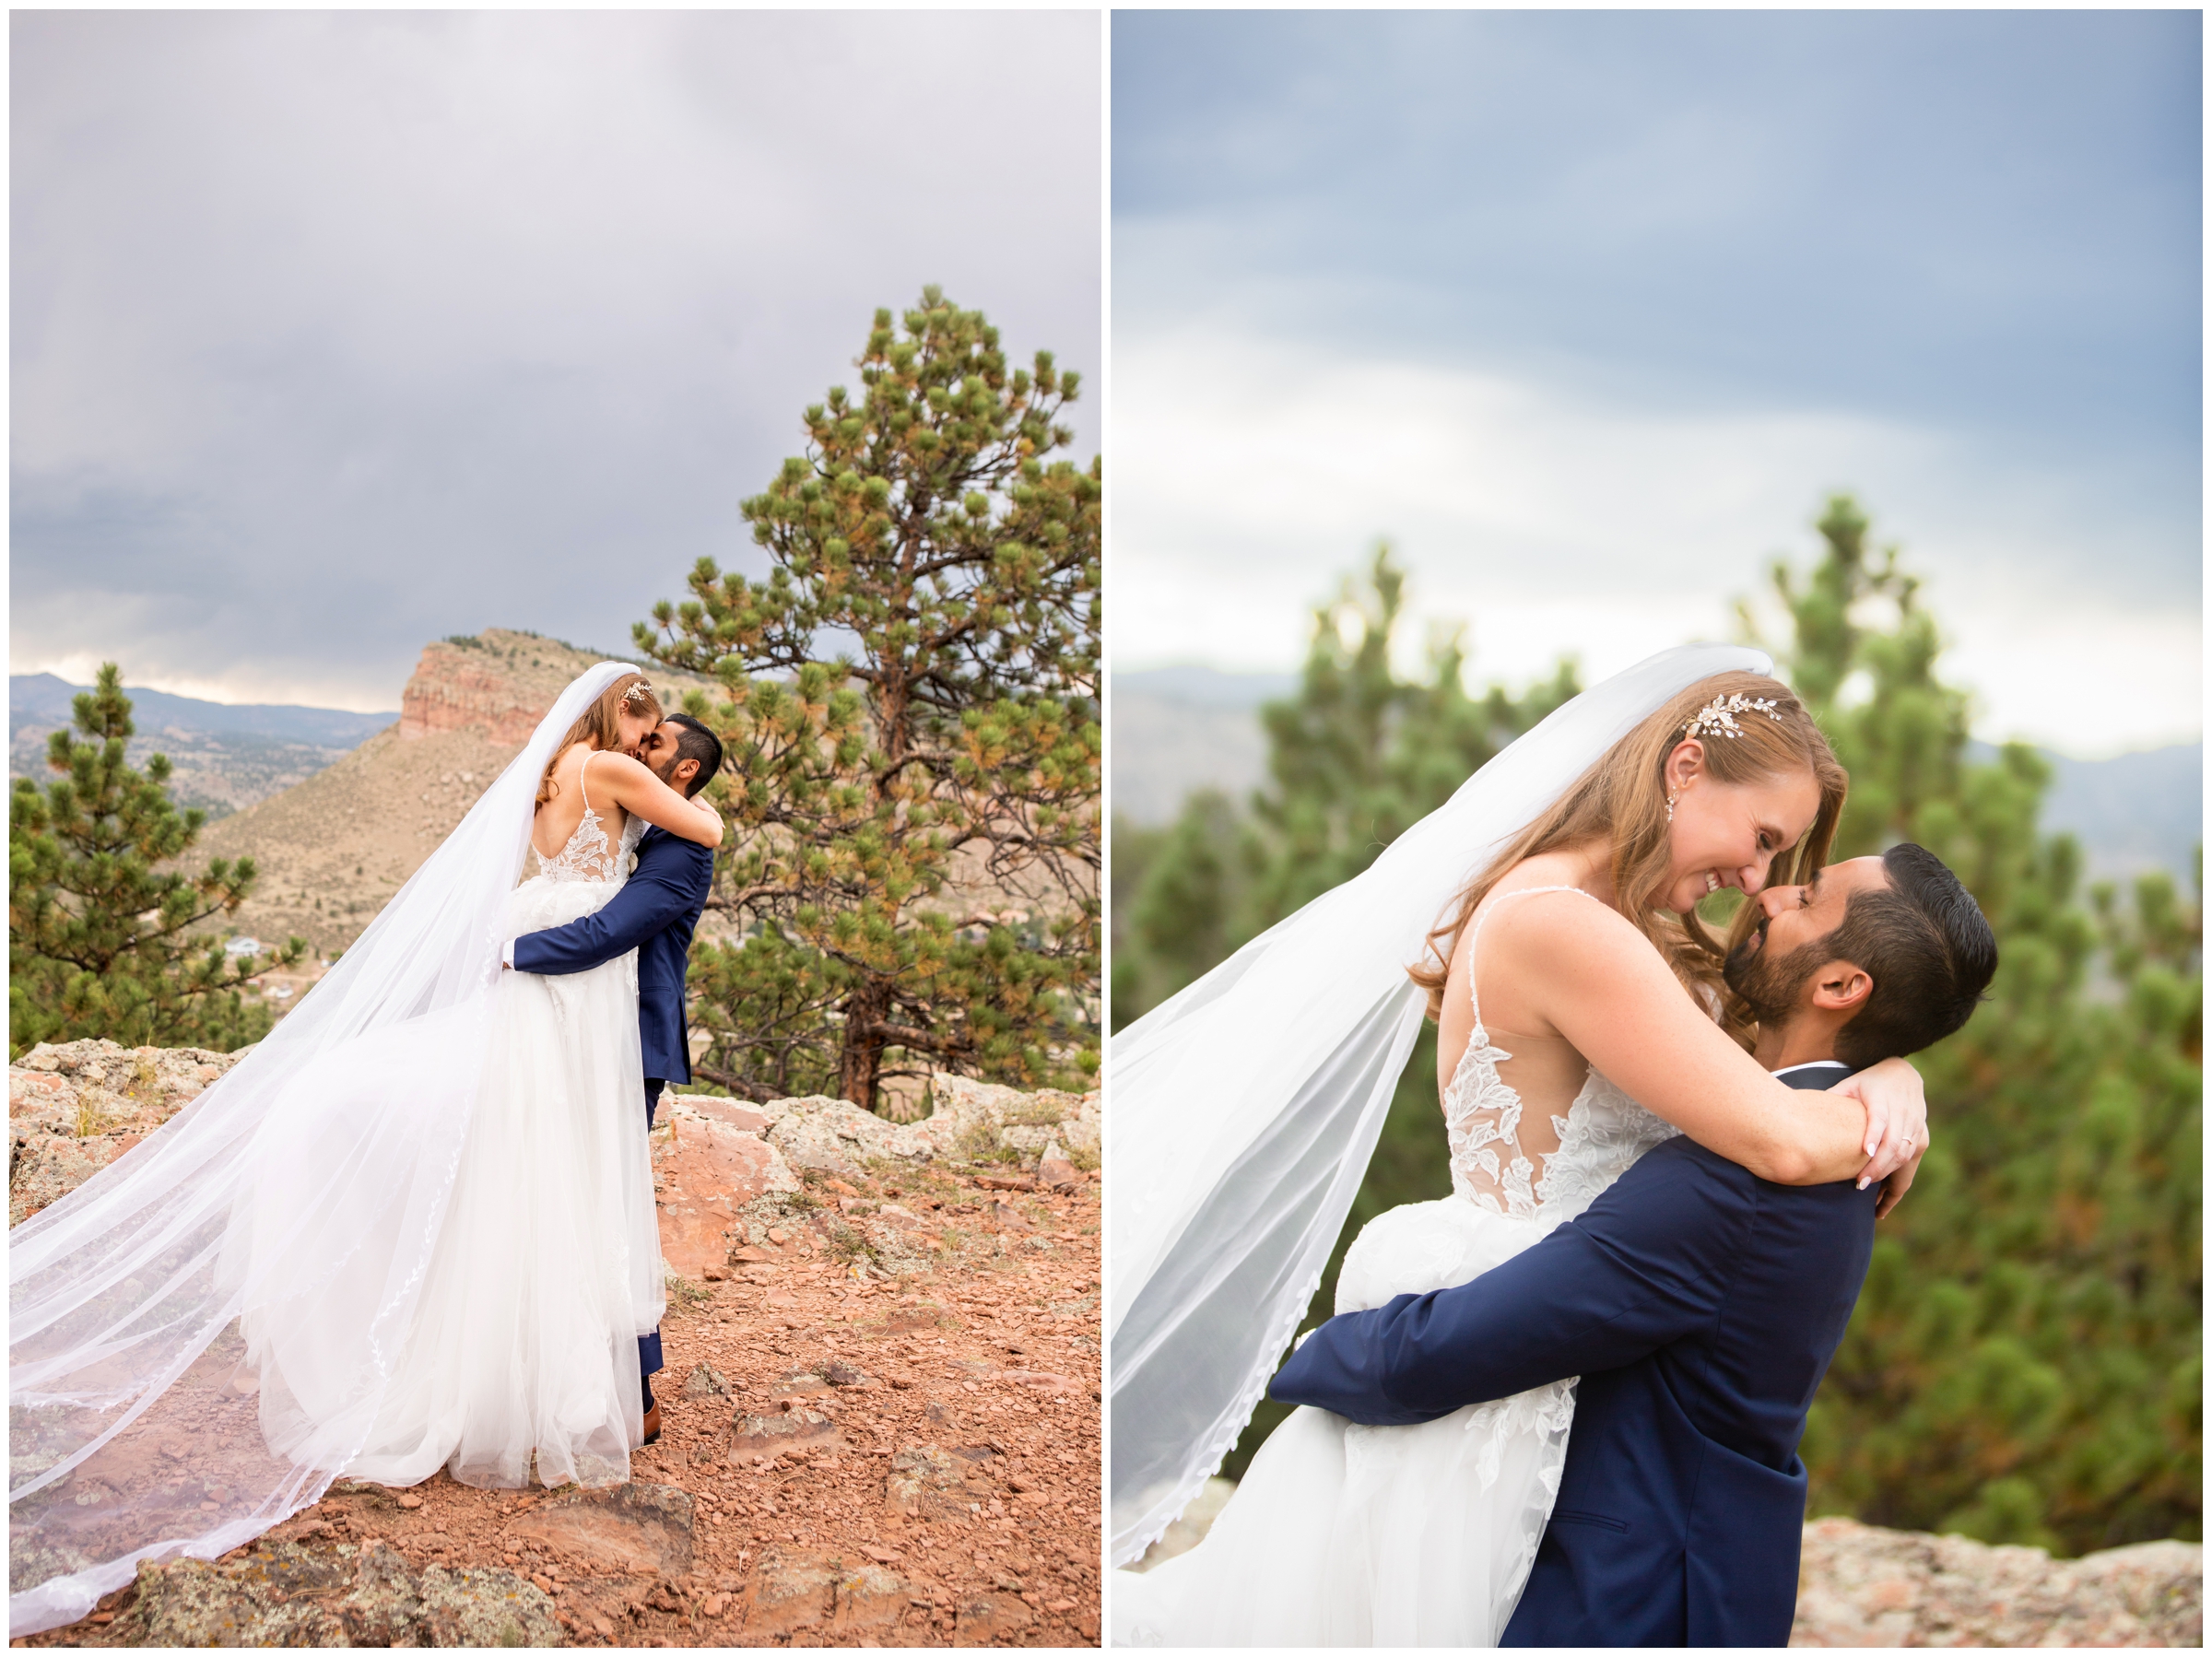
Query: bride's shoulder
[1545, 868]
[612, 766]
[1529, 910]
[1546, 884]
[573, 758]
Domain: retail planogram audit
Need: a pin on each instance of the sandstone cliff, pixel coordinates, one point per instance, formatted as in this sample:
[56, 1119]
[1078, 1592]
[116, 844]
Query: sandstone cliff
[498, 684]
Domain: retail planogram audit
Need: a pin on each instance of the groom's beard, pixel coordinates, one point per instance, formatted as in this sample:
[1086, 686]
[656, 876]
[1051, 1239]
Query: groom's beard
[662, 771]
[1771, 987]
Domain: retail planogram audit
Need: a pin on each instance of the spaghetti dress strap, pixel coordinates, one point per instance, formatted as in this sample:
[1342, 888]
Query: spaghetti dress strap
[1474, 1002]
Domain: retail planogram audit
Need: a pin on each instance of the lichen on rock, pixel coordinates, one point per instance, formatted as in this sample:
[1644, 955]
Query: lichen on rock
[75, 1106]
[284, 1595]
[968, 1120]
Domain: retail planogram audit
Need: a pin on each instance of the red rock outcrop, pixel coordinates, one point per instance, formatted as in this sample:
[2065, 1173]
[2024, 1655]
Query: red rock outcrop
[500, 684]
[709, 1159]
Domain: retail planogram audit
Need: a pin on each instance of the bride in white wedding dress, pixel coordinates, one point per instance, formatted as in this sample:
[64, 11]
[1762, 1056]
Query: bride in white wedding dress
[1342, 1535]
[413, 1228]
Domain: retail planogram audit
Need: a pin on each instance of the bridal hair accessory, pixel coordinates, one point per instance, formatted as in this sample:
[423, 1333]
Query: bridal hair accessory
[640, 690]
[1717, 718]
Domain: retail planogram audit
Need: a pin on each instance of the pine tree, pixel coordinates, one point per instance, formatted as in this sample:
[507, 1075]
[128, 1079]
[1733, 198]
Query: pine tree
[1358, 756]
[2024, 1365]
[916, 857]
[102, 939]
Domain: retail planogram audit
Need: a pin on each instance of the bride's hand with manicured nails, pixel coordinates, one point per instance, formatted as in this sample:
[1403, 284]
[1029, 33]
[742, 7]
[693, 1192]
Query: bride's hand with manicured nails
[1895, 1187]
[1897, 1122]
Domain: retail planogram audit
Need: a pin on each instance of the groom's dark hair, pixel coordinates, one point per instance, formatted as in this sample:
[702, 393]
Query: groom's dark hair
[1926, 944]
[696, 743]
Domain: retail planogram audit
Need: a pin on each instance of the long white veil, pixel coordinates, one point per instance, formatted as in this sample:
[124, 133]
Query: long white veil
[1244, 1110]
[146, 1415]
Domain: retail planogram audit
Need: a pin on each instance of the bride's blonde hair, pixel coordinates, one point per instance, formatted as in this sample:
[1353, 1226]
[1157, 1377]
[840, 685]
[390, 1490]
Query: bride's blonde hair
[601, 724]
[1623, 796]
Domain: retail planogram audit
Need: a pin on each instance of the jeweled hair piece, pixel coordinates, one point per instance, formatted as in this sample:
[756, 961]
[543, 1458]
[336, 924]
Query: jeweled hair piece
[1717, 718]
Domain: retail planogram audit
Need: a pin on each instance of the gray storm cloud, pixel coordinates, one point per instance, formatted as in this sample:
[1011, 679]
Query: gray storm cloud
[335, 334]
[1590, 310]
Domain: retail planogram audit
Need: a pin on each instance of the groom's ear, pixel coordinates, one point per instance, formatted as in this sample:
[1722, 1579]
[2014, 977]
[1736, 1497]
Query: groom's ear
[1841, 987]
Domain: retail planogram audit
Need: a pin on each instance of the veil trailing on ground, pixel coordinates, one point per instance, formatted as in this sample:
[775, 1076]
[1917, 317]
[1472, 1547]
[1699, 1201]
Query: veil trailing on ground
[149, 1412]
[1244, 1110]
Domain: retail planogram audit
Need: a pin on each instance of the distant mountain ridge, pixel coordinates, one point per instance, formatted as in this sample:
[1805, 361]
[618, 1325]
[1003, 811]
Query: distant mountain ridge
[227, 756]
[2133, 813]
[43, 696]
[1176, 730]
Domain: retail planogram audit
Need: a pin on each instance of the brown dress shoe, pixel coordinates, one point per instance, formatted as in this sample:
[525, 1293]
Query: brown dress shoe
[653, 1423]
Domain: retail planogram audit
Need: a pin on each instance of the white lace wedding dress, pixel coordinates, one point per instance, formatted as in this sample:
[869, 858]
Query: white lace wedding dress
[1342, 1535]
[523, 1358]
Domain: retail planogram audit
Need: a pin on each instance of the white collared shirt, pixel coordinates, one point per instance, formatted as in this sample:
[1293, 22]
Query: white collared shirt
[1811, 1064]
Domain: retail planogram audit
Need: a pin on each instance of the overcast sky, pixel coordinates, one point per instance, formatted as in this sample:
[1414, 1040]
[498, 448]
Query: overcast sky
[1590, 310]
[333, 334]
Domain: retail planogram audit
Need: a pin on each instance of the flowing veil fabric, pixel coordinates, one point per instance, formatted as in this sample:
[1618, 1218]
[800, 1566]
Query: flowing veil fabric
[1244, 1108]
[151, 1413]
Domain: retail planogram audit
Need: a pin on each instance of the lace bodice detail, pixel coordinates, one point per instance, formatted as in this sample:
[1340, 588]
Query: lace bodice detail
[588, 855]
[1602, 1135]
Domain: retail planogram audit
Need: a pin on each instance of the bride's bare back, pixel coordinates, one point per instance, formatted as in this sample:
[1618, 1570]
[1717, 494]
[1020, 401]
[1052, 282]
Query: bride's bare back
[1542, 1071]
[609, 787]
[554, 828]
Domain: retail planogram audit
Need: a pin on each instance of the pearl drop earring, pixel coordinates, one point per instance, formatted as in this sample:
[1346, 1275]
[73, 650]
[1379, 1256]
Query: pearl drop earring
[1670, 808]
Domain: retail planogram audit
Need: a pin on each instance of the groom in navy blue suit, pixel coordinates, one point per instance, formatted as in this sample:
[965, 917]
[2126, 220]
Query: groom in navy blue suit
[654, 914]
[1698, 1303]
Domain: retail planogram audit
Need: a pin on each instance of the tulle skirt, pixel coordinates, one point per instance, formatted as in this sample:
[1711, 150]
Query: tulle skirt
[1342, 1535]
[520, 1358]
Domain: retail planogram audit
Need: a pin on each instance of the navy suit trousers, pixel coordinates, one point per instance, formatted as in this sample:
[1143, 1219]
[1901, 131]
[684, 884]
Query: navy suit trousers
[649, 1345]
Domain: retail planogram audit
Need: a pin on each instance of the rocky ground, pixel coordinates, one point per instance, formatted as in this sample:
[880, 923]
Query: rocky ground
[1863, 1586]
[881, 1407]
[73, 1109]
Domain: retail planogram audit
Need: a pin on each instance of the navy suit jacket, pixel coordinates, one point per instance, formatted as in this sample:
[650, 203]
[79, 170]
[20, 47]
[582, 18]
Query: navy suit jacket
[1700, 1305]
[654, 914]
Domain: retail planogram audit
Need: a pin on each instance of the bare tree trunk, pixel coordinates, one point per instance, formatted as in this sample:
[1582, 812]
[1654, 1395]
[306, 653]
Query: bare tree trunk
[861, 1062]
